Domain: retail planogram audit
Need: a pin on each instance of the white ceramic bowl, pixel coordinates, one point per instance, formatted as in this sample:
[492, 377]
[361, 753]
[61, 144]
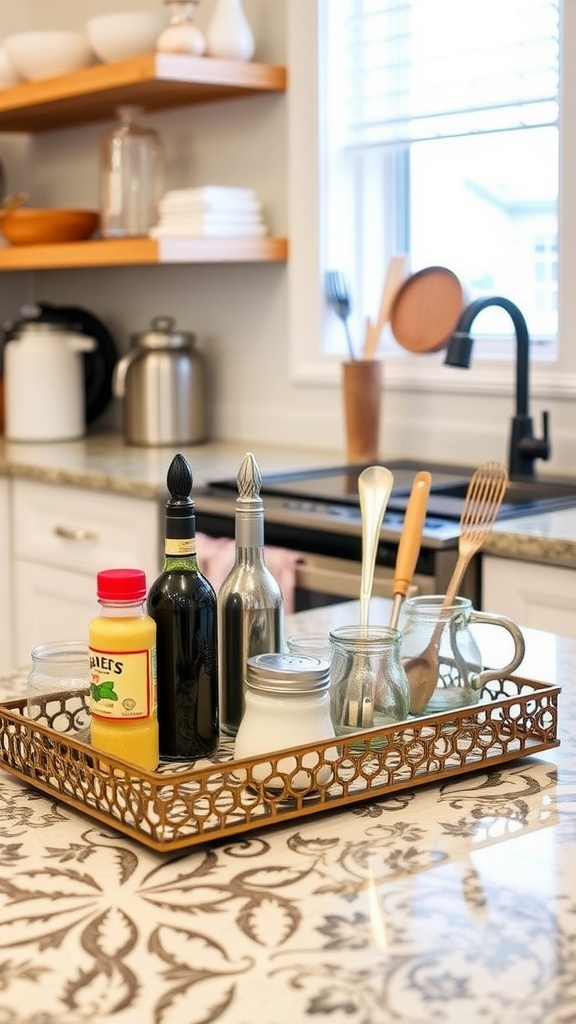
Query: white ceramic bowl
[44, 54]
[8, 74]
[124, 34]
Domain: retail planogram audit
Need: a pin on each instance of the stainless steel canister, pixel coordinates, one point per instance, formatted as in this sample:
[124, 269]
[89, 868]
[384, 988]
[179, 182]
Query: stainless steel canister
[162, 382]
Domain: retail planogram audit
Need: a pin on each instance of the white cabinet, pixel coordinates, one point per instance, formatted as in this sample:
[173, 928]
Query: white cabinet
[62, 536]
[539, 596]
[6, 660]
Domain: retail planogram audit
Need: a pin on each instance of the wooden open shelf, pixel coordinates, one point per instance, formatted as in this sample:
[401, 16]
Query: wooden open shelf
[142, 251]
[157, 81]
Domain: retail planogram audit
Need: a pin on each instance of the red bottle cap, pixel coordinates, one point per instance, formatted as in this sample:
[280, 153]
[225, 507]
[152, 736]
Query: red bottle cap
[121, 585]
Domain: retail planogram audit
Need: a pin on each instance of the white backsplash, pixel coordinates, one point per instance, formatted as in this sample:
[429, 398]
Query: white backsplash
[241, 313]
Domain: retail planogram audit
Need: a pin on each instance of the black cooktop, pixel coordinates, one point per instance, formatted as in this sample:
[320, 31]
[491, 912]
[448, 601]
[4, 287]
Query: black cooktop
[338, 485]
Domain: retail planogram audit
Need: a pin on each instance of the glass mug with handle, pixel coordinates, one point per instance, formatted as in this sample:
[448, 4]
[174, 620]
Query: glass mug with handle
[441, 655]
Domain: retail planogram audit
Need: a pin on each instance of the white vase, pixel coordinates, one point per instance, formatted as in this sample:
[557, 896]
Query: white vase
[229, 33]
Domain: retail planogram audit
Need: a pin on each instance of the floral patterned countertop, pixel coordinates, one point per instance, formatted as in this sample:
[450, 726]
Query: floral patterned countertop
[451, 902]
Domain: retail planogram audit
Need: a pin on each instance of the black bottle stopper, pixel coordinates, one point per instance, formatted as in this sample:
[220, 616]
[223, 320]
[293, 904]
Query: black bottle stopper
[179, 507]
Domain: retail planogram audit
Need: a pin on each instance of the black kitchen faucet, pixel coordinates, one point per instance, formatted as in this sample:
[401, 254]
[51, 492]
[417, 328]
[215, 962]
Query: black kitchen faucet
[525, 448]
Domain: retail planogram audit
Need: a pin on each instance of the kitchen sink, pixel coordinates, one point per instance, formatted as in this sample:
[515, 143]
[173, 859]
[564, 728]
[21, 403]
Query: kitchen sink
[522, 498]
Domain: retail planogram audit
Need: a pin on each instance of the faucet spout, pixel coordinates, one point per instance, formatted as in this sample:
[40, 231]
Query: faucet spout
[525, 448]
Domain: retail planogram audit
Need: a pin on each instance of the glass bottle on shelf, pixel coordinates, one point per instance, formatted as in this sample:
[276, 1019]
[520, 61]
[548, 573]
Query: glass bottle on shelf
[132, 176]
[182, 35]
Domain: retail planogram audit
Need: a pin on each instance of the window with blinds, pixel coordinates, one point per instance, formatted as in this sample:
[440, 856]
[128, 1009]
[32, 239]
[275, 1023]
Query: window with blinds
[441, 122]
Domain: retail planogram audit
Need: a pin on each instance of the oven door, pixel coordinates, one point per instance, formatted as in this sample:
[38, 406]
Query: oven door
[322, 580]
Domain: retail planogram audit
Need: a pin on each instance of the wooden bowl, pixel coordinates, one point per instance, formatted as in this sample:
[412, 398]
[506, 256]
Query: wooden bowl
[42, 227]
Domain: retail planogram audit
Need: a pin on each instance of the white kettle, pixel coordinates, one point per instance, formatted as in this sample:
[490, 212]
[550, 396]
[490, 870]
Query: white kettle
[44, 383]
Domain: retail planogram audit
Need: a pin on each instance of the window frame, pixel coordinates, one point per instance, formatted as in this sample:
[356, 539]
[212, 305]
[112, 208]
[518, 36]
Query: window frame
[308, 314]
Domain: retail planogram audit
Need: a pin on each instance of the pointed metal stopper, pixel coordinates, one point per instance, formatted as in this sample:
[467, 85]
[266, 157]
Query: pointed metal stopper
[249, 479]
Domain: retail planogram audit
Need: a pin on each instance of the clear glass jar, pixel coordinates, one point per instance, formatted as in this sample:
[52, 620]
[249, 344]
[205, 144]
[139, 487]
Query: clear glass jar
[59, 686]
[287, 704]
[316, 645]
[132, 176]
[369, 688]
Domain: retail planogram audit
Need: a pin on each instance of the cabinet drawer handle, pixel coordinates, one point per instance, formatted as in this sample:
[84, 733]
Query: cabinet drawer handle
[69, 534]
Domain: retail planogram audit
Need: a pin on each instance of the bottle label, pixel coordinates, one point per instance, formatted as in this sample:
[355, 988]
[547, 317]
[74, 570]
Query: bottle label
[180, 547]
[122, 684]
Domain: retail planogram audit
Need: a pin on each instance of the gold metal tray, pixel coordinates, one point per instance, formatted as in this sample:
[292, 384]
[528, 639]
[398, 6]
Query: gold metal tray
[183, 805]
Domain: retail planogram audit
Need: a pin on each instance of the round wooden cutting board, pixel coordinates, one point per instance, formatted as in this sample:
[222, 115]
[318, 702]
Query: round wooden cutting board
[426, 308]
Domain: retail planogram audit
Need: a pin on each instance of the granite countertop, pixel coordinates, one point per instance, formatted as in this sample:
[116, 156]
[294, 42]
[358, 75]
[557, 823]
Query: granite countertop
[106, 463]
[549, 537]
[449, 902]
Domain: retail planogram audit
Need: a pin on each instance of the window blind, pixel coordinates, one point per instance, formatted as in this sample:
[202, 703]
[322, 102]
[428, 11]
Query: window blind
[427, 69]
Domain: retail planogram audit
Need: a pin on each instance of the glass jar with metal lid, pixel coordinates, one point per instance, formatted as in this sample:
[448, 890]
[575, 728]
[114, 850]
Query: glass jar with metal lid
[287, 704]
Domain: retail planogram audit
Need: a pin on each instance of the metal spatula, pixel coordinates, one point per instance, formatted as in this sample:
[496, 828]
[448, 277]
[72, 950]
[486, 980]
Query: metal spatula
[484, 497]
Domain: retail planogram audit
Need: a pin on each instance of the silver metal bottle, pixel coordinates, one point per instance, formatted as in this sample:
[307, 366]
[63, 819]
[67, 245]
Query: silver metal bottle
[250, 606]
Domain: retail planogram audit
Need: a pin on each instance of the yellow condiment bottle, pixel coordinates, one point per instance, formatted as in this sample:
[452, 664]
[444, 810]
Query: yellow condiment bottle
[122, 643]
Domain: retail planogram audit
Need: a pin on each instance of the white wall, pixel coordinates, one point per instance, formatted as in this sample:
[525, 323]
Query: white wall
[259, 325]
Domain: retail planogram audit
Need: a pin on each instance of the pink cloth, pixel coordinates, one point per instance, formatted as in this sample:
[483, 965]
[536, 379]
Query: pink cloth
[216, 558]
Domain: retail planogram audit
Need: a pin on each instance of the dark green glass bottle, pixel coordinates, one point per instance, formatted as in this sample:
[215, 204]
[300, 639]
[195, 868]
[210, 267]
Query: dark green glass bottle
[183, 604]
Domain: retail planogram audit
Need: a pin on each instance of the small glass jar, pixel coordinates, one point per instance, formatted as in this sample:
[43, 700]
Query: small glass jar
[369, 688]
[316, 645]
[59, 686]
[287, 704]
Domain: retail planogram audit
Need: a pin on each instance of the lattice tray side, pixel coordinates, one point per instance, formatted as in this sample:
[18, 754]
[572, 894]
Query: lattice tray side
[184, 805]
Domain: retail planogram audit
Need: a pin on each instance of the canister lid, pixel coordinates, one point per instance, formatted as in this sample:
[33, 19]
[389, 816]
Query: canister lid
[287, 673]
[162, 335]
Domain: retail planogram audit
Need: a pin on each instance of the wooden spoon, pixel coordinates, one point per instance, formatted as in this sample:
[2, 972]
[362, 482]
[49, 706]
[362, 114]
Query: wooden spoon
[481, 506]
[395, 274]
[410, 540]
